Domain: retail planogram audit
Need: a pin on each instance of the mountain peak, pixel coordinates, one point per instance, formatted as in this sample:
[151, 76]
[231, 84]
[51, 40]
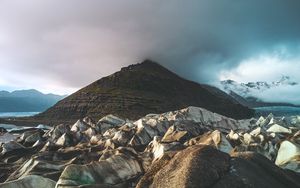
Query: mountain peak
[138, 90]
[148, 62]
[27, 92]
[146, 65]
[285, 80]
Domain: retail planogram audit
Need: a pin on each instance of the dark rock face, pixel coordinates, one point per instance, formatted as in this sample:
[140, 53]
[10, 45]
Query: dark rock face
[196, 166]
[253, 170]
[202, 166]
[138, 90]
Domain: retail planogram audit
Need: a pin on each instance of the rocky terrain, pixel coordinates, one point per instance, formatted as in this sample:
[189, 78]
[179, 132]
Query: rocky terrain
[138, 90]
[192, 147]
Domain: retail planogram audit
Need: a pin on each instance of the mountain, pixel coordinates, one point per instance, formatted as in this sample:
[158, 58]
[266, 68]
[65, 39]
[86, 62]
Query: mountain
[26, 101]
[245, 93]
[253, 102]
[140, 89]
[249, 89]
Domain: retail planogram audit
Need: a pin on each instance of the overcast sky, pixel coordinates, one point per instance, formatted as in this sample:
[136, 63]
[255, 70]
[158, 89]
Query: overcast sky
[59, 46]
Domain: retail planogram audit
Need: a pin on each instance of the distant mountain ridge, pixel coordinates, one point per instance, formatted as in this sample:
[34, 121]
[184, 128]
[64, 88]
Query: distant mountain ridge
[140, 89]
[248, 89]
[245, 93]
[30, 100]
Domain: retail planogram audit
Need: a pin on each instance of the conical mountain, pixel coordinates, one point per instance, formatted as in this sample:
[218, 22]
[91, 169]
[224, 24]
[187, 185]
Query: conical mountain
[140, 89]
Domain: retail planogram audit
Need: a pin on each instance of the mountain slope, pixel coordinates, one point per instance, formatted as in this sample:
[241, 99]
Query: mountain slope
[138, 90]
[26, 101]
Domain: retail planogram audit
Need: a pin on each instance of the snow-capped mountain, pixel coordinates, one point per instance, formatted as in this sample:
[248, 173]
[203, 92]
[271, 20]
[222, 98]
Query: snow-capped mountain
[285, 80]
[249, 89]
[249, 94]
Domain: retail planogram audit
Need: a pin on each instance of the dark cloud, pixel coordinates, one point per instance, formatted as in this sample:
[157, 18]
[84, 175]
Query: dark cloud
[68, 44]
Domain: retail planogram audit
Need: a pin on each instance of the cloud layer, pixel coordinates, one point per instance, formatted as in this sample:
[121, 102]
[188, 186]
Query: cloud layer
[59, 46]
